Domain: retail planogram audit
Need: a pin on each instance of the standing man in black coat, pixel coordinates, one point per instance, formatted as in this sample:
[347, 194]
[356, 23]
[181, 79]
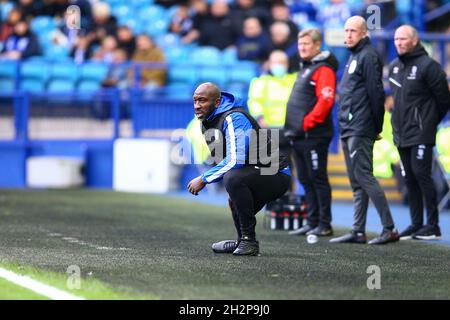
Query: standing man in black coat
[421, 101]
[360, 123]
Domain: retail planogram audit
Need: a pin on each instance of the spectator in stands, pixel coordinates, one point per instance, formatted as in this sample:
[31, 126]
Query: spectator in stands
[199, 11]
[105, 52]
[118, 72]
[126, 40]
[21, 44]
[14, 16]
[218, 29]
[281, 39]
[81, 51]
[103, 23]
[182, 22]
[421, 101]
[332, 17]
[30, 9]
[147, 51]
[243, 9]
[280, 12]
[254, 43]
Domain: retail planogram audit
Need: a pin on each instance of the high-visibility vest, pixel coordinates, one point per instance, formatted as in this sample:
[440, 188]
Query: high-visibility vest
[268, 96]
[198, 143]
[443, 147]
[384, 151]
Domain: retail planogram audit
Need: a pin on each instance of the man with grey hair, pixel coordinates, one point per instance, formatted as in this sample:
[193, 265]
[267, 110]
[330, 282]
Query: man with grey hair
[360, 124]
[421, 100]
[309, 128]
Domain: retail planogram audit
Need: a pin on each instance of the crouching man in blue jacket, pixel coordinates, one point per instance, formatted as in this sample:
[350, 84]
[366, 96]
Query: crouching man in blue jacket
[246, 157]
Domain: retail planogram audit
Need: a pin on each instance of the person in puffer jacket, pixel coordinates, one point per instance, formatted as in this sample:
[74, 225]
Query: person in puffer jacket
[421, 101]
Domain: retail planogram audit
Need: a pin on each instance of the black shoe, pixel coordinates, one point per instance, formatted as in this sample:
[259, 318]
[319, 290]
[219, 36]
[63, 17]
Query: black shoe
[225, 246]
[386, 237]
[301, 231]
[408, 232]
[247, 248]
[428, 233]
[352, 237]
[321, 232]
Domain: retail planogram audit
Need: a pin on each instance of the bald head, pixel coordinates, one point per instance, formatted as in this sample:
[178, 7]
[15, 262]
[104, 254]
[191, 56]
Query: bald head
[355, 29]
[406, 39]
[206, 99]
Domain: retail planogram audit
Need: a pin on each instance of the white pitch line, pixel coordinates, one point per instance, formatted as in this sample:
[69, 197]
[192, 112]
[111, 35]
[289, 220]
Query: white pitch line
[36, 286]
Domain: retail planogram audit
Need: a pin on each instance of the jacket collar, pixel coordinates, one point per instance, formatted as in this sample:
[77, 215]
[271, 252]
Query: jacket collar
[361, 44]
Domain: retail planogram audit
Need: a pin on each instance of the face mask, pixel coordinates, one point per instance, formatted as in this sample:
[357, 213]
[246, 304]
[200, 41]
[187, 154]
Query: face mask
[278, 70]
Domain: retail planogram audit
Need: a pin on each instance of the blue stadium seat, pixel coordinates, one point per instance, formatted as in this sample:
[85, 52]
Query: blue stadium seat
[7, 85]
[183, 73]
[177, 54]
[33, 85]
[168, 41]
[61, 86]
[243, 72]
[155, 27]
[56, 52]
[8, 68]
[64, 71]
[151, 13]
[88, 86]
[122, 10]
[238, 89]
[206, 55]
[179, 91]
[42, 24]
[229, 56]
[34, 69]
[140, 4]
[93, 71]
[5, 8]
[217, 74]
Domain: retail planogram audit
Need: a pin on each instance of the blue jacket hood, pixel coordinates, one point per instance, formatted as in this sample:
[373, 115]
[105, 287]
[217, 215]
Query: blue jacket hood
[227, 102]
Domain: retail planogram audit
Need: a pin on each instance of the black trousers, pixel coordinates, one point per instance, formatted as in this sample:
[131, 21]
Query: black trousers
[416, 165]
[249, 191]
[311, 158]
[358, 152]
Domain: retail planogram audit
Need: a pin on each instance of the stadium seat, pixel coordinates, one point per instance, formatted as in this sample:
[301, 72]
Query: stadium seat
[177, 54]
[122, 10]
[64, 71]
[155, 27]
[56, 52]
[34, 69]
[42, 24]
[5, 8]
[151, 13]
[88, 86]
[7, 85]
[178, 91]
[168, 41]
[93, 71]
[238, 90]
[61, 86]
[213, 73]
[206, 55]
[32, 85]
[243, 72]
[229, 56]
[183, 73]
[8, 68]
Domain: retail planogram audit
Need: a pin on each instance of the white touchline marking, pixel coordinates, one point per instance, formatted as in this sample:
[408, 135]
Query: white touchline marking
[36, 286]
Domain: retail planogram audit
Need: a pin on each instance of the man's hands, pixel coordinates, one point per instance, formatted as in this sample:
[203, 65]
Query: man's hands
[196, 185]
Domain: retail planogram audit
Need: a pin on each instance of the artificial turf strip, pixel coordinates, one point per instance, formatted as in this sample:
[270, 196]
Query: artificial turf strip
[157, 247]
